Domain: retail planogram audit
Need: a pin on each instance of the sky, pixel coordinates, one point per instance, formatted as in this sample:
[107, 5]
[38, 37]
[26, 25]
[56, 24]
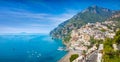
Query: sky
[42, 16]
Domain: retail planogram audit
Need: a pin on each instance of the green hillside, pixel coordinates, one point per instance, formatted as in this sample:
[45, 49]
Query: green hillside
[90, 14]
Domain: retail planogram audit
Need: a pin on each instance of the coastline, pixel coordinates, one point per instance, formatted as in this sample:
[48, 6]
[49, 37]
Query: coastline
[67, 56]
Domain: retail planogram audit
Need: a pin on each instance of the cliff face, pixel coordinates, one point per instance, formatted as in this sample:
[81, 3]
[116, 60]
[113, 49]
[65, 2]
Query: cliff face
[91, 14]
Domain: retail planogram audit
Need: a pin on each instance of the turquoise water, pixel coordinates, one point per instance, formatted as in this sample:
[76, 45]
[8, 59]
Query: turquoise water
[30, 48]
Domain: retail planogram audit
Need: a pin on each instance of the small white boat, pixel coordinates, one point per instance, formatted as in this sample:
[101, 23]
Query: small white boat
[61, 48]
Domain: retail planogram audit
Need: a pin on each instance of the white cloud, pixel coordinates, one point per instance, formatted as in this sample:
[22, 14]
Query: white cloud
[32, 22]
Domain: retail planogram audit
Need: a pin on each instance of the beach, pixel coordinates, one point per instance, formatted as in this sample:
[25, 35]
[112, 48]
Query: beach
[67, 56]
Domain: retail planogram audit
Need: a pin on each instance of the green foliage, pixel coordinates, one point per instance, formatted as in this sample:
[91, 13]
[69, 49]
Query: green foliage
[108, 45]
[109, 54]
[112, 57]
[73, 57]
[103, 30]
[67, 38]
[84, 52]
[117, 37]
[117, 33]
[92, 40]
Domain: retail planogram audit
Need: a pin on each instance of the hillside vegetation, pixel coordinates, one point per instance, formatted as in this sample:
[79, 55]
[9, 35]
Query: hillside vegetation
[110, 55]
[91, 14]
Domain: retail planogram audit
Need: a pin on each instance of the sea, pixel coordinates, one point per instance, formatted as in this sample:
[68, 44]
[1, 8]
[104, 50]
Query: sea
[30, 48]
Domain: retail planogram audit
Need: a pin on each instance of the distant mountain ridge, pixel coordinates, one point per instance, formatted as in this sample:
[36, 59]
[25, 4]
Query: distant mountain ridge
[91, 14]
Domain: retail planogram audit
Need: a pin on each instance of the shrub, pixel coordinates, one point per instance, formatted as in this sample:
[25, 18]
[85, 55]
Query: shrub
[73, 57]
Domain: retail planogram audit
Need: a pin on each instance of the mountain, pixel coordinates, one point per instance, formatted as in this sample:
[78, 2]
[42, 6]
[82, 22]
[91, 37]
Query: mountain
[91, 14]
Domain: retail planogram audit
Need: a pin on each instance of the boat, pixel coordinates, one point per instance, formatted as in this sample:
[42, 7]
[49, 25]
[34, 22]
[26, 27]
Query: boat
[61, 48]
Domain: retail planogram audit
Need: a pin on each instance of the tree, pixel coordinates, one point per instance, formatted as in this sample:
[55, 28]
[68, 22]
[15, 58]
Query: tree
[117, 39]
[118, 33]
[73, 57]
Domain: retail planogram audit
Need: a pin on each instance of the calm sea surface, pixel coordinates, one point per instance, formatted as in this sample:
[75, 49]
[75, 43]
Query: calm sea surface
[30, 48]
